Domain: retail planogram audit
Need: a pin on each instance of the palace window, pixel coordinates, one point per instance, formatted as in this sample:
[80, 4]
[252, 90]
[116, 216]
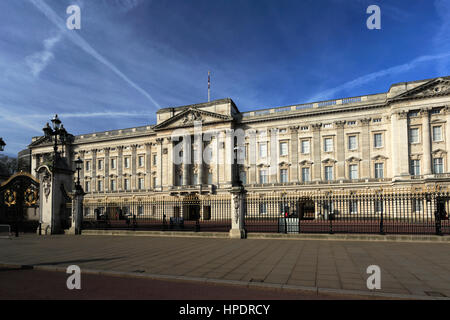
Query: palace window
[414, 135]
[328, 173]
[379, 170]
[88, 166]
[304, 128]
[377, 120]
[378, 206]
[140, 210]
[438, 165]
[155, 158]
[141, 184]
[283, 175]
[100, 185]
[141, 161]
[417, 205]
[126, 184]
[378, 140]
[328, 144]
[353, 170]
[87, 186]
[415, 167]
[283, 148]
[305, 175]
[437, 133]
[113, 163]
[263, 149]
[305, 148]
[155, 182]
[351, 123]
[126, 162]
[113, 185]
[352, 143]
[263, 176]
[100, 164]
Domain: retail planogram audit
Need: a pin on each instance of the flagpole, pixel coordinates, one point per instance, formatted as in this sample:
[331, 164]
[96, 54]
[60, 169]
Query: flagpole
[209, 86]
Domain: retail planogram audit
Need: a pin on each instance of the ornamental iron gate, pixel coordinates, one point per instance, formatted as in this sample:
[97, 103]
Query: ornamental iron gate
[18, 194]
[165, 213]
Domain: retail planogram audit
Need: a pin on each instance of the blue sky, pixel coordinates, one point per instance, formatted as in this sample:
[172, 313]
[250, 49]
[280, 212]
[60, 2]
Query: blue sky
[132, 57]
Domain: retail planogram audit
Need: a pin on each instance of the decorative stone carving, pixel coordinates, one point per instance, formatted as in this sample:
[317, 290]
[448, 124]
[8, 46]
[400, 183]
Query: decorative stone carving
[339, 124]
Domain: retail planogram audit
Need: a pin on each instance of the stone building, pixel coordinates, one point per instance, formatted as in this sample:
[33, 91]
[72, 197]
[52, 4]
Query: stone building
[397, 138]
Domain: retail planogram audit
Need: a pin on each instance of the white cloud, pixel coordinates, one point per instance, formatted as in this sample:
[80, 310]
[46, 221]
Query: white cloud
[38, 61]
[331, 93]
[85, 46]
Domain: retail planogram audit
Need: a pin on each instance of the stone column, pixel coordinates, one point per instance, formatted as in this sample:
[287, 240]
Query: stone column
[77, 211]
[187, 147]
[170, 164]
[238, 208]
[447, 135]
[82, 154]
[294, 153]
[229, 157]
[133, 166]
[107, 184]
[159, 155]
[252, 154]
[340, 150]
[148, 164]
[317, 165]
[426, 143]
[365, 148]
[94, 170]
[400, 144]
[120, 168]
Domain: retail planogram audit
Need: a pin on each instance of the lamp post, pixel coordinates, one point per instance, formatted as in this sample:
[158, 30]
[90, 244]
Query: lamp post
[53, 133]
[78, 164]
[57, 131]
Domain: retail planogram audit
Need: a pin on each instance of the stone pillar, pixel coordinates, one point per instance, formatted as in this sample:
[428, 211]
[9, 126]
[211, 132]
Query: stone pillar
[120, 168]
[365, 148]
[82, 154]
[294, 153]
[274, 147]
[107, 184]
[317, 165]
[148, 165]
[340, 150]
[229, 157]
[159, 155]
[238, 208]
[447, 135]
[133, 166]
[170, 165]
[77, 211]
[400, 144]
[426, 143]
[94, 170]
[187, 147]
[252, 154]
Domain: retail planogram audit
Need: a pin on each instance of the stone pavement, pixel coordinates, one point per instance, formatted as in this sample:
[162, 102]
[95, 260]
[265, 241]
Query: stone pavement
[408, 269]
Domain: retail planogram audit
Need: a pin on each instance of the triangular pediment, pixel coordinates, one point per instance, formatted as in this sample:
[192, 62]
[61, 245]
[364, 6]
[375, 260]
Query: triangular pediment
[189, 117]
[432, 88]
[40, 141]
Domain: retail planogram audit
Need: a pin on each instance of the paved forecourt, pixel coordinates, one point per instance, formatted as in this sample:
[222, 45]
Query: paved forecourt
[408, 269]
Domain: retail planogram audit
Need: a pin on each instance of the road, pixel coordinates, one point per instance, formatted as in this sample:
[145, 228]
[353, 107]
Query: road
[31, 284]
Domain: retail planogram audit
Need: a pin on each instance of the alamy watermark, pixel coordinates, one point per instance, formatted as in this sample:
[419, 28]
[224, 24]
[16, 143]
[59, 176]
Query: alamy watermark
[74, 280]
[374, 280]
[73, 22]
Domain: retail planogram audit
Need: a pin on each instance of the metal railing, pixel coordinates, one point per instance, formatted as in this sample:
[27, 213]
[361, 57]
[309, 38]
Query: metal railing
[361, 211]
[189, 213]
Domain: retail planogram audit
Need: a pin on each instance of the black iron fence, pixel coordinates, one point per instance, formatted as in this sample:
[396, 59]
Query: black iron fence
[381, 211]
[362, 211]
[192, 213]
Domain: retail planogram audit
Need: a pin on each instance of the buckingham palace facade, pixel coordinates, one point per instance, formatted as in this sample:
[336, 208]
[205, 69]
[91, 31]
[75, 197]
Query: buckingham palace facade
[397, 138]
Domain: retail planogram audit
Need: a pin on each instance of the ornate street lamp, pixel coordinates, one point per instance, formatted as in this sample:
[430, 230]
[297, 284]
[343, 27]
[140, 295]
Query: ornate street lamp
[58, 131]
[78, 164]
[2, 144]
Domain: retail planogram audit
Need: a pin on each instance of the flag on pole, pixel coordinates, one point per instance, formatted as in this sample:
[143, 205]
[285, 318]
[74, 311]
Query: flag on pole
[209, 86]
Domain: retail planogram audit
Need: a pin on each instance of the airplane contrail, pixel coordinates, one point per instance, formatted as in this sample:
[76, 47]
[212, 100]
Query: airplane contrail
[83, 44]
